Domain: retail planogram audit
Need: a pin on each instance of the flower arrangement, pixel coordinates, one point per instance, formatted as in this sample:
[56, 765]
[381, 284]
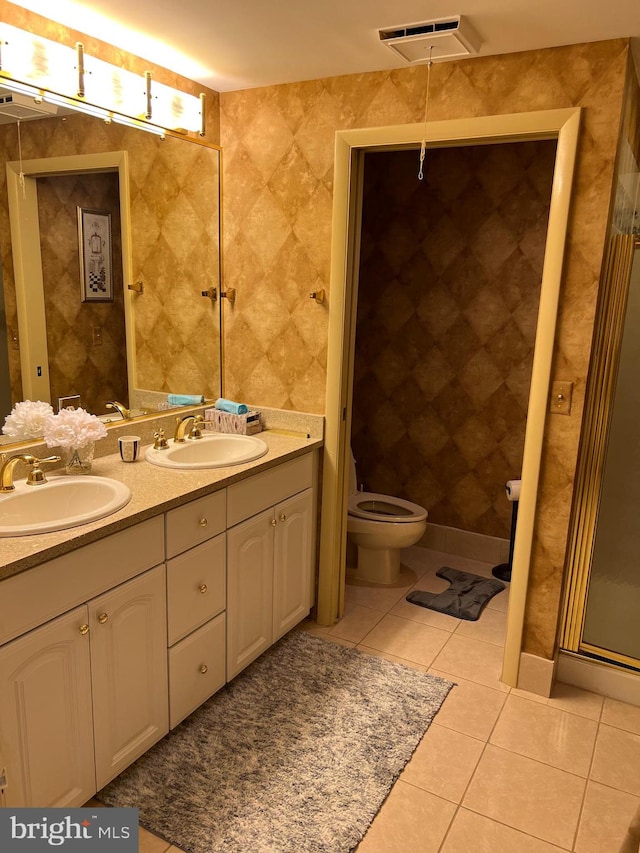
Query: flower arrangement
[27, 419]
[73, 428]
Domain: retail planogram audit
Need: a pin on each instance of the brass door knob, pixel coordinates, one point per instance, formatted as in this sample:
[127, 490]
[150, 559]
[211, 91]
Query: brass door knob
[84, 629]
[203, 522]
[283, 517]
[203, 668]
[273, 522]
[203, 588]
[102, 618]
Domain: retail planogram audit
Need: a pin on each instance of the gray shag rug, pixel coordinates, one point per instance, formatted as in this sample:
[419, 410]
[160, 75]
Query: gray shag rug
[296, 754]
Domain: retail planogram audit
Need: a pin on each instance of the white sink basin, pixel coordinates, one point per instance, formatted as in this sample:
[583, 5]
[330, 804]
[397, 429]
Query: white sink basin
[59, 503]
[211, 451]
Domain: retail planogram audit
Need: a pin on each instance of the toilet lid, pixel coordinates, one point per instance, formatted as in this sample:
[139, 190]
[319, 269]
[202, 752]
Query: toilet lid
[377, 507]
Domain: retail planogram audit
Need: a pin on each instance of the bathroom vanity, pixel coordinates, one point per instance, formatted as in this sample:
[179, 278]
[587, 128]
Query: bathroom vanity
[113, 632]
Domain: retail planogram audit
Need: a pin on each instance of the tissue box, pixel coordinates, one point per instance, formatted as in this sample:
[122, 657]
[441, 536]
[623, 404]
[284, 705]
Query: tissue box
[218, 421]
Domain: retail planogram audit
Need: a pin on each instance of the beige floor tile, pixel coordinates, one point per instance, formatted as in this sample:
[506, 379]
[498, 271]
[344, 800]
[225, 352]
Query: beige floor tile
[473, 833]
[356, 623]
[470, 708]
[546, 734]
[443, 763]
[410, 821]
[491, 627]
[621, 715]
[529, 796]
[415, 613]
[617, 759]
[327, 635]
[374, 596]
[406, 639]
[393, 658]
[605, 817]
[576, 701]
[149, 843]
[472, 660]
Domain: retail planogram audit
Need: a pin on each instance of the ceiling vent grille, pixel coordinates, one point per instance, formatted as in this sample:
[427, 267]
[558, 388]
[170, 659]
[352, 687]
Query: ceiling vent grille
[17, 107]
[440, 39]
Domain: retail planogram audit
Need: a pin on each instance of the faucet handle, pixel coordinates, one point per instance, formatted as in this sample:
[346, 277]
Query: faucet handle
[196, 431]
[36, 475]
[160, 442]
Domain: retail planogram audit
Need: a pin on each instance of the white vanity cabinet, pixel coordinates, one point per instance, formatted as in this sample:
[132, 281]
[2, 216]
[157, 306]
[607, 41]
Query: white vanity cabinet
[92, 681]
[270, 545]
[196, 596]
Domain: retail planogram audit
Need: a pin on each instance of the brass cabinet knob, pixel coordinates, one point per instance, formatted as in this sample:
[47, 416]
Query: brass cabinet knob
[203, 588]
[273, 522]
[84, 629]
[203, 668]
[102, 618]
[203, 522]
[283, 517]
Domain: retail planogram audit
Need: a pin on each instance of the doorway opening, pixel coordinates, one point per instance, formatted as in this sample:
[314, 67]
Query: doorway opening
[351, 146]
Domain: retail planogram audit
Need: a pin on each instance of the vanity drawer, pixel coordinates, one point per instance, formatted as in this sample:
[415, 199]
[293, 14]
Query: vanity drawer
[195, 522]
[189, 686]
[39, 594]
[261, 491]
[196, 587]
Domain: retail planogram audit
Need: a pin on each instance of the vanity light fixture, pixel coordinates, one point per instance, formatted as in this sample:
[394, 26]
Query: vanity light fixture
[67, 76]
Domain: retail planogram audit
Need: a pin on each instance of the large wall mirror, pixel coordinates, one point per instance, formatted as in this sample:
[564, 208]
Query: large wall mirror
[109, 238]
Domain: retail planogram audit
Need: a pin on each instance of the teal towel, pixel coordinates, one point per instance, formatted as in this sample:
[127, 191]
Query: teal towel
[231, 407]
[185, 399]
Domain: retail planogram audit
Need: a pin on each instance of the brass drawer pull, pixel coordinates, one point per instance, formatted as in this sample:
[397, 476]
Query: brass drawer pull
[102, 618]
[203, 668]
[203, 588]
[283, 517]
[273, 522]
[203, 522]
[84, 629]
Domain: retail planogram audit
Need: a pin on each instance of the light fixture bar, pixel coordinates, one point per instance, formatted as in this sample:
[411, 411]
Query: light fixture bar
[147, 80]
[80, 63]
[41, 68]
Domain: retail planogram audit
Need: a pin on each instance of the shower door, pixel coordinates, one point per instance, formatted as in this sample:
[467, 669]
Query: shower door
[611, 627]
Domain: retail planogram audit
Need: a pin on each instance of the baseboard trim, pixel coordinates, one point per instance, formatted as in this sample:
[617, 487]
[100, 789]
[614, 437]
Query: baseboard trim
[465, 543]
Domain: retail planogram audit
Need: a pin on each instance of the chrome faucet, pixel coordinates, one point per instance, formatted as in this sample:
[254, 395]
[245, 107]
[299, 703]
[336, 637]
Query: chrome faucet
[36, 475]
[124, 412]
[193, 421]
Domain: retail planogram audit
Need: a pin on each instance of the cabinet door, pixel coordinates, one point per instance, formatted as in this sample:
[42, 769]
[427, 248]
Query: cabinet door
[129, 671]
[292, 562]
[46, 733]
[249, 590]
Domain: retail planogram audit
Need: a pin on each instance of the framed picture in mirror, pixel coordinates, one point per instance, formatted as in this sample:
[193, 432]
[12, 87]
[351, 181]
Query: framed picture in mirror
[94, 245]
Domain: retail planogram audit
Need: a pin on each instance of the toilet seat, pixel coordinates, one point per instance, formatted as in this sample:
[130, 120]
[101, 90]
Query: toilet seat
[384, 508]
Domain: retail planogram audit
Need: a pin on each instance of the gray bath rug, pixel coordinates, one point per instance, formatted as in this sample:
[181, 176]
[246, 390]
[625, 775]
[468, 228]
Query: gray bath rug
[295, 755]
[464, 599]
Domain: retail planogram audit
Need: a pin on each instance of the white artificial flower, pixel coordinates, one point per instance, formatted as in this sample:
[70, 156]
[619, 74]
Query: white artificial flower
[27, 419]
[73, 428]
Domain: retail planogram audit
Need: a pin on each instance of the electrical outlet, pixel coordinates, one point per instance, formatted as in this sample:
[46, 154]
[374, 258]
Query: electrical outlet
[561, 393]
[96, 334]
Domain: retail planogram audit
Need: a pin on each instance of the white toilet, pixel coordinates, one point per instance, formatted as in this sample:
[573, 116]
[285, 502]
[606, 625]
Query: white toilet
[381, 526]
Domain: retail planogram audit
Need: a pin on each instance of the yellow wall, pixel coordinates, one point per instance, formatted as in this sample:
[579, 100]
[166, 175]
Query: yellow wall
[278, 147]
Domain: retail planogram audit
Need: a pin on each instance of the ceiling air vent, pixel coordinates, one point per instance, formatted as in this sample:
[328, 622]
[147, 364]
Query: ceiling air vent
[14, 107]
[450, 38]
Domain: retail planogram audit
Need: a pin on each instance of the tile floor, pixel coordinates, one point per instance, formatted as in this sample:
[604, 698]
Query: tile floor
[499, 770]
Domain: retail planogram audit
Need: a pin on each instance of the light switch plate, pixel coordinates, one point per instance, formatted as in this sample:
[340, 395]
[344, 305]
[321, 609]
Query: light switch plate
[561, 393]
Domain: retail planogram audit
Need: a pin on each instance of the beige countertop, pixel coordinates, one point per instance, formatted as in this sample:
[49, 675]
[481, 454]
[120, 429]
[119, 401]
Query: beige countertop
[154, 490]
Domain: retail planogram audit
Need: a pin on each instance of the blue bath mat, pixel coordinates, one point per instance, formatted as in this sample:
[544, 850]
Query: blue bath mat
[464, 599]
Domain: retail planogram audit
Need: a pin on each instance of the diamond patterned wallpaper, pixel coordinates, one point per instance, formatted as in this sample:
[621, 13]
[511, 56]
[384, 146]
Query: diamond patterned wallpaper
[76, 364]
[279, 147]
[447, 304]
